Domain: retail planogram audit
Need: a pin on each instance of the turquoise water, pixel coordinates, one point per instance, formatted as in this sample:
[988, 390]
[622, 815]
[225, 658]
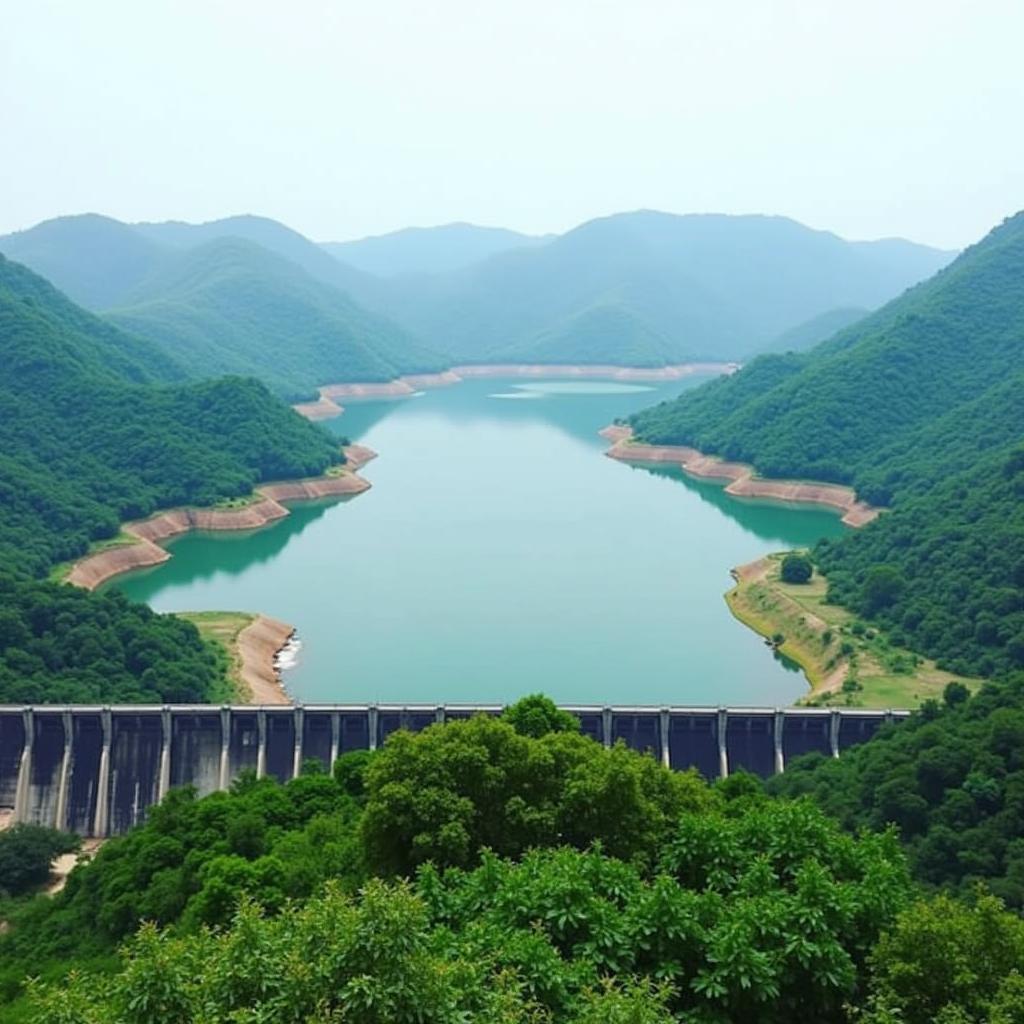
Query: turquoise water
[499, 553]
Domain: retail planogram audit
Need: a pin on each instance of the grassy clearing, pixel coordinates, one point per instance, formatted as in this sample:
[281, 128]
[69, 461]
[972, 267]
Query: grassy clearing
[847, 662]
[220, 630]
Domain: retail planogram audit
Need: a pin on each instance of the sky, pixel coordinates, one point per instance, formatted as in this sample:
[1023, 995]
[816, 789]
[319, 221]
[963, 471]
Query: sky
[345, 119]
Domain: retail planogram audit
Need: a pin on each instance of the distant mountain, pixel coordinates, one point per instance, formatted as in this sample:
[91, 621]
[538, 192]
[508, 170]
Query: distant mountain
[94, 260]
[231, 306]
[817, 329]
[713, 286]
[919, 407]
[243, 295]
[434, 250]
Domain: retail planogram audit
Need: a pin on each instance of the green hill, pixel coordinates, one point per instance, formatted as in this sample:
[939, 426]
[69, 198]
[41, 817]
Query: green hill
[92, 433]
[817, 329]
[601, 333]
[243, 295]
[428, 250]
[715, 286]
[918, 407]
[94, 260]
[230, 306]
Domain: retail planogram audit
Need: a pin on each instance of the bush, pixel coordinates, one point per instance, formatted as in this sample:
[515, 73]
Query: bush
[796, 568]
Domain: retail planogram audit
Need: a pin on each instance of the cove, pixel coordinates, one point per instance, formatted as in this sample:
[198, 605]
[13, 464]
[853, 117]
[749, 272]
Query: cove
[499, 553]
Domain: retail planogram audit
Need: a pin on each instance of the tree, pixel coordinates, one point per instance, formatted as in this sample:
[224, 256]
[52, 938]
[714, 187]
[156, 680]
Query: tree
[26, 853]
[882, 586]
[944, 960]
[796, 568]
[447, 792]
[538, 715]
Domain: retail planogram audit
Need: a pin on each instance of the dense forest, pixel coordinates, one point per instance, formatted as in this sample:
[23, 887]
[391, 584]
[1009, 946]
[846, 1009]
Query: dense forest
[96, 428]
[918, 407]
[558, 881]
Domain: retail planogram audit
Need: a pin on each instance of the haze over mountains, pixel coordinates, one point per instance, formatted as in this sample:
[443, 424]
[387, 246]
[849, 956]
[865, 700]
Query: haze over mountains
[248, 295]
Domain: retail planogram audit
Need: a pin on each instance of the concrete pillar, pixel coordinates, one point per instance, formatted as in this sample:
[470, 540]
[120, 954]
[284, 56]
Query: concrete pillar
[300, 726]
[833, 732]
[663, 732]
[23, 787]
[723, 749]
[606, 726]
[335, 738]
[780, 757]
[60, 814]
[224, 775]
[164, 782]
[261, 748]
[371, 714]
[101, 823]
[439, 714]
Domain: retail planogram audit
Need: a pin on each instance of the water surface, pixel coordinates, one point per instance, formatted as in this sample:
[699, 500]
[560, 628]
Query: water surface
[499, 553]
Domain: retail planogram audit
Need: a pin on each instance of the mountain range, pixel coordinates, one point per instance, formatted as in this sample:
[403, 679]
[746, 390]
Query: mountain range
[248, 295]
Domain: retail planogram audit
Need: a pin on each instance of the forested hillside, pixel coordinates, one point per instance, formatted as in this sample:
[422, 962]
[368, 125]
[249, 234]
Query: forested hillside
[918, 407]
[230, 306]
[809, 333]
[715, 287]
[92, 433]
[243, 295]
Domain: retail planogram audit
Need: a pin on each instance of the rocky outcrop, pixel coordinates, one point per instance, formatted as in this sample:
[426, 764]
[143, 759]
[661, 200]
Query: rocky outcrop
[743, 482]
[92, 570]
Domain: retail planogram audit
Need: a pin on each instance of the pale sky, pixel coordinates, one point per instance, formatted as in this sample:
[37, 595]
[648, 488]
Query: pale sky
[345, 118]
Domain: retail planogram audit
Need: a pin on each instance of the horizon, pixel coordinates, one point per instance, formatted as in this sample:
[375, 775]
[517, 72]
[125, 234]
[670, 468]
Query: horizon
[350, 123]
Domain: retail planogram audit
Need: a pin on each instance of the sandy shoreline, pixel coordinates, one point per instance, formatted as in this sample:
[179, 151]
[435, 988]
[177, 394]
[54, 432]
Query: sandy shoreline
[327, 405]
[146, 550]
[742, 480]
[258, 647]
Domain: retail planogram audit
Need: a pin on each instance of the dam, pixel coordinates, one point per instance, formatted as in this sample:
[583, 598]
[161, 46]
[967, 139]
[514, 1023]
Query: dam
[96, 770]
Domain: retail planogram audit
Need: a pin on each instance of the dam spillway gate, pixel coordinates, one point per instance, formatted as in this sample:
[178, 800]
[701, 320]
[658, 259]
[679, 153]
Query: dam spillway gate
[95, 770]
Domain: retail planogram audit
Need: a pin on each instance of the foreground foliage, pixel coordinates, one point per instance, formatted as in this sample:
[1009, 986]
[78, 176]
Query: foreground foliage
[951, 780]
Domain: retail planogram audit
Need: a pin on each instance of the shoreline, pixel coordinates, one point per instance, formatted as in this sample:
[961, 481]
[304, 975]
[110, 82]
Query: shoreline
[259, 645]
[145, 551]
[326, 405]
[846, 662]
[742, 481]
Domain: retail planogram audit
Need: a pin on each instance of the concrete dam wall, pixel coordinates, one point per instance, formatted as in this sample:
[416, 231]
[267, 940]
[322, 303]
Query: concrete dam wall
[95, 770]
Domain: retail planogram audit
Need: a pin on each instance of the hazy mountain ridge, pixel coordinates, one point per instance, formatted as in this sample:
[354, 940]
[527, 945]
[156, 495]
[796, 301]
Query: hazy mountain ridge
[432, 250]
[680, 287]
[715, 286]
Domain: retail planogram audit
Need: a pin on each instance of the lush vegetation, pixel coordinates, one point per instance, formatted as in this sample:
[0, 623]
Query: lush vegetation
[59, 644]
[951, 781]
[720, 906]
[917, 406]
[809, 333]
[94, 429]
[89, 435]
[26, 853]
[727, 906]
[231, 306]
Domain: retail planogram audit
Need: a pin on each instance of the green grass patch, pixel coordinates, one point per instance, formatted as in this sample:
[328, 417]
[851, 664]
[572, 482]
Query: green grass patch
[847, 662]
[220, 631]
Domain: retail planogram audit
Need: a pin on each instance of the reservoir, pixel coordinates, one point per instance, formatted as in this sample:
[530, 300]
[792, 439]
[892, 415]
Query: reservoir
[500, 553]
